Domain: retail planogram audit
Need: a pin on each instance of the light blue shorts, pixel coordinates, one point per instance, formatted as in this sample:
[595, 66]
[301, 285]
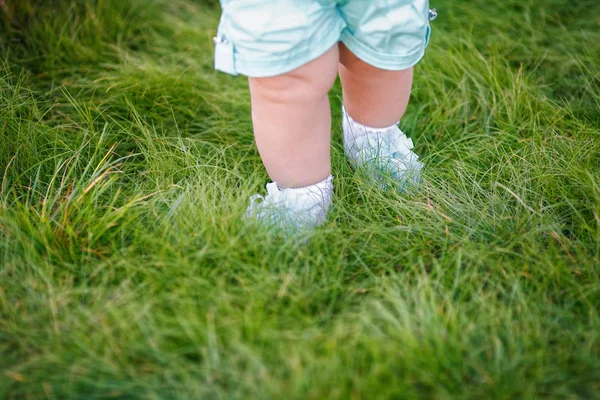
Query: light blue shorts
[261, 38]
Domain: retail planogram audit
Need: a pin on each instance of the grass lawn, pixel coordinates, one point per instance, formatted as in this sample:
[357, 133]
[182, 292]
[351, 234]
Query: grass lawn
[126, 163]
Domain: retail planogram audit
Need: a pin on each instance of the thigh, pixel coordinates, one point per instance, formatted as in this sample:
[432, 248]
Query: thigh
[306, 84]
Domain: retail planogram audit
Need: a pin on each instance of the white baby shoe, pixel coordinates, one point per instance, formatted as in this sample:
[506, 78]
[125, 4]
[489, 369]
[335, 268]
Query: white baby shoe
[382, 151]
[291, 210]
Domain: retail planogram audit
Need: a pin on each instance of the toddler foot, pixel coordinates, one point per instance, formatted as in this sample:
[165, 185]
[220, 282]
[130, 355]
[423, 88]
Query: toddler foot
[291, 210]
[382, 151]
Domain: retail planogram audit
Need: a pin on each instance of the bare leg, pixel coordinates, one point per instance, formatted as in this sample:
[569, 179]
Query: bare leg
[374, 97]
[292, 121]
[374, 101]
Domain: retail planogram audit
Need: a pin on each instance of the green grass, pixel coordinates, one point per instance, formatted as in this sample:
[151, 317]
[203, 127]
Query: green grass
[126, 163]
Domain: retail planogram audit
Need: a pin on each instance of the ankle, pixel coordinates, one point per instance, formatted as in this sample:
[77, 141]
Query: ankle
[319, 192]
[353, 129]
[370, 118]
[283, 184]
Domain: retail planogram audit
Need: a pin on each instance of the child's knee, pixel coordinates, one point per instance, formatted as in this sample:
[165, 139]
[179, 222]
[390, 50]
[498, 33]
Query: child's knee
[307, 83]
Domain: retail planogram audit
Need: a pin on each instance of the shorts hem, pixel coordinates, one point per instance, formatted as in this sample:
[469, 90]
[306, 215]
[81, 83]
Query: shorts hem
[282, 65]
[392, 62]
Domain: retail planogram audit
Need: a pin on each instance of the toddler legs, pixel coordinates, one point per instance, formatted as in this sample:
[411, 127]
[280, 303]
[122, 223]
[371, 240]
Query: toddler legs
[292, 121]
[291, 113]
[374, 101]
[292, 128]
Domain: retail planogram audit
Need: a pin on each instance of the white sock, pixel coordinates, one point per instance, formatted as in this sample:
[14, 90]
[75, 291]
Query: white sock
[354, 130]
[314, 199]
[320, 192]
[387, 150]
